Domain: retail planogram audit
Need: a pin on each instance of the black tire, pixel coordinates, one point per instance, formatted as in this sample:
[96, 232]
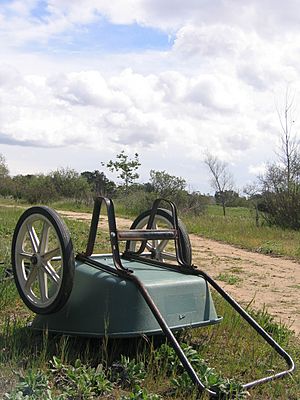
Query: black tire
[34, 265]
[166, 217]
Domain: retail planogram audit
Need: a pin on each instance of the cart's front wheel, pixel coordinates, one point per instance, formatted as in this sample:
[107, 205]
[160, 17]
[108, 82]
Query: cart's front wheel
[162, 250]
[42, 260]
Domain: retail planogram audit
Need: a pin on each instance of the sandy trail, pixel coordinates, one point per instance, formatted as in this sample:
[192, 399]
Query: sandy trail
[273, 283]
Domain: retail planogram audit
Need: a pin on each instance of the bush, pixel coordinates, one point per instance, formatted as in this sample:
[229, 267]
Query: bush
[282, 209]
[192, 203]
[6, 186]
[34, 188]
[70, 184]
[135, 202]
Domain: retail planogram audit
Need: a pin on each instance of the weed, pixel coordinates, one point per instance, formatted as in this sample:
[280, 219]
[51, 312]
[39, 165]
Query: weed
[139, 393]
[80, 381]
[32, 385]
[279, 331]
[208, 376]
[166, 359]
[236, 270]
[128, 373]
[229, 278]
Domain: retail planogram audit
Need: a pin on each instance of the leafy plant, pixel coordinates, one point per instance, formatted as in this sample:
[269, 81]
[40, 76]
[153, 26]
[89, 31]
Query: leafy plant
[139, 393]
[279, 331]
[181, 381]
[166, 359]
[80, 380]
[33, 385]
[128, 373]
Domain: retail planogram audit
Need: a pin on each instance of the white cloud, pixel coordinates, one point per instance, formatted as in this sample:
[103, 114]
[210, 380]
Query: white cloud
[21, 23]
[257, 170]
[88, 88]
[214, 89]
[212, 92]
[210, 41]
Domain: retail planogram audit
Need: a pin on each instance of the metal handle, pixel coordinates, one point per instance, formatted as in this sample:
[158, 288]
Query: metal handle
[147, 234]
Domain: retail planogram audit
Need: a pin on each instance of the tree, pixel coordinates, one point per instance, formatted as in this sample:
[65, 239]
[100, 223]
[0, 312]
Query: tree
[3, 167]
[99, 183]
[166, 185]
[222, 180]
[34, 188]
[69, 184]
[289, 147]
[5, 179]
[125, 167]
[254, 197]
[280, 184]
[232, 198]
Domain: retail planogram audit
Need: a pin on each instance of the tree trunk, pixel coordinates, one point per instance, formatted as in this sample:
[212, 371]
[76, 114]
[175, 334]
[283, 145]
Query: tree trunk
[224, 208]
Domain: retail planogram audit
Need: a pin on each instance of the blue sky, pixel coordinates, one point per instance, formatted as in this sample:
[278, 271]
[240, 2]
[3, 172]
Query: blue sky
[81, 81]
[103, 37]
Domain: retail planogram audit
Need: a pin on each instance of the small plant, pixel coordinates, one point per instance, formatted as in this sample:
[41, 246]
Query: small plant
[139, 393]
[270, 247]
[128, 373]
[181, 381]
[229, 278]
[32, 386]
[226, 388]
[166, 359]
[279, 331]
[79, 380]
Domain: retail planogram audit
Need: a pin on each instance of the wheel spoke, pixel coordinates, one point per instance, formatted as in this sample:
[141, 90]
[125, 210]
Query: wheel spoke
[50, 271]
[43, 245]
[149, 246]
[52, 253]
[160, 247]
[26, 256]
[42, 277]
[154, 244]
[33, 238]
[168, 256]
[30, 279]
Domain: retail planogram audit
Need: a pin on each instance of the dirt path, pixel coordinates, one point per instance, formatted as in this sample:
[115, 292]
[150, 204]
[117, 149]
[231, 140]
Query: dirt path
[273, 283]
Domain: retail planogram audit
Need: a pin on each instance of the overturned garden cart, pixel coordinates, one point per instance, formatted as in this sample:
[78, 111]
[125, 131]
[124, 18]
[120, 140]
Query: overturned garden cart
[151, 288]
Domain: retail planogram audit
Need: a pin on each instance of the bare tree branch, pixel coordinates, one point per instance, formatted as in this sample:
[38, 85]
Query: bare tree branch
[222, 179]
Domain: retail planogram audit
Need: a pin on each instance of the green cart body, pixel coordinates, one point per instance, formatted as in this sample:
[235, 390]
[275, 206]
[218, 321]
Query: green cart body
[102, 304]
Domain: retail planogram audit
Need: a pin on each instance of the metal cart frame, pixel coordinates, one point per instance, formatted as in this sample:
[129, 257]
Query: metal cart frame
[170, 234]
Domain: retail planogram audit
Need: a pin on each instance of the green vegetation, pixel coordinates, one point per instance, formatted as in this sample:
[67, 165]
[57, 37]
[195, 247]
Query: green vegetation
[238, 227]
[125, 167]
[231, 279]
[44, 366]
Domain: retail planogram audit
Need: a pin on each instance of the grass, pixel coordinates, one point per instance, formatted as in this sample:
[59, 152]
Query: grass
[231, 279]
[238, 228]
[44, 366]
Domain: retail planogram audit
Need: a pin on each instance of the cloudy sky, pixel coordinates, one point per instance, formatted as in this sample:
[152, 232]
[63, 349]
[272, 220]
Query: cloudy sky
[81, 80]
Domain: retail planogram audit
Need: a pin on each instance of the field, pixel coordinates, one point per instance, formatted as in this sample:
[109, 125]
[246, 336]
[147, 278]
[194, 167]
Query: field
[238, 228]
[36, 366]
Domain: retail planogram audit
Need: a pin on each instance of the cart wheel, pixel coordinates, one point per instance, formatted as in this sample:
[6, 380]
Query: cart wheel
[42, 260]
[162, 250]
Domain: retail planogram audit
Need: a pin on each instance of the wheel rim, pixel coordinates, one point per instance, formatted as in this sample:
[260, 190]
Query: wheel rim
[161, 250]
[39, 260]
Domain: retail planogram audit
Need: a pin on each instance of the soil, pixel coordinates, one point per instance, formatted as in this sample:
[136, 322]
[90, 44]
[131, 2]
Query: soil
[264, 281]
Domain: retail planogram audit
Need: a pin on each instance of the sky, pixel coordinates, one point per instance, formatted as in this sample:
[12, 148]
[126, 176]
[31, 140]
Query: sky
[172, 80]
